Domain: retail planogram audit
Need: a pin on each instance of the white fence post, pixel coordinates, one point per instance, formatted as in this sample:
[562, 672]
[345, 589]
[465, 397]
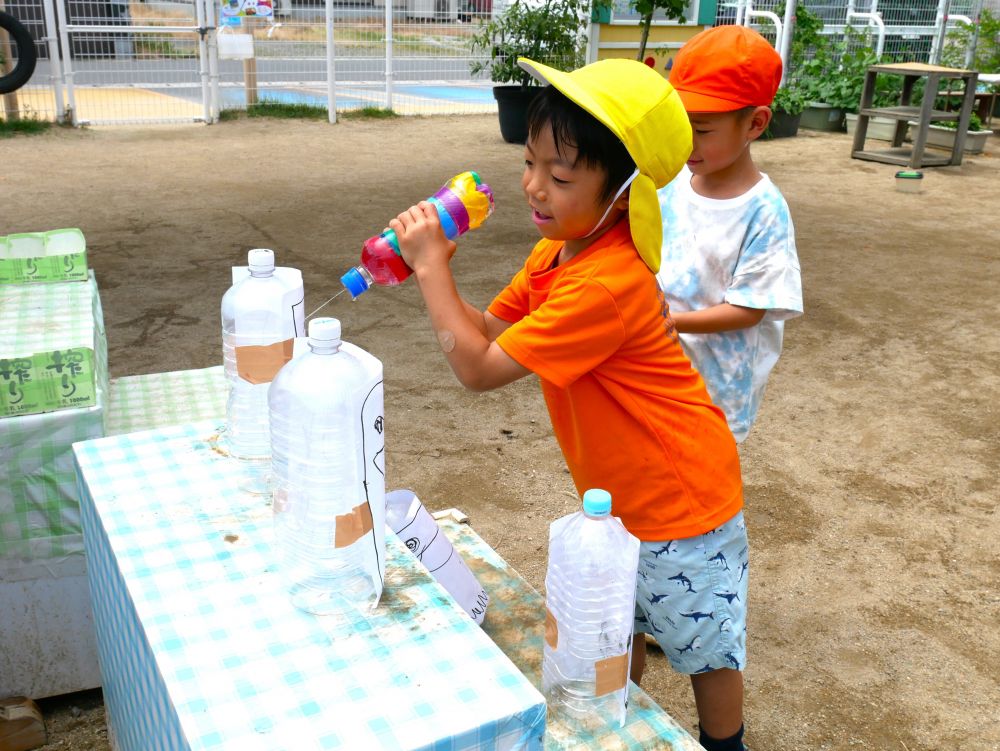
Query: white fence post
[331, 77]
[388, 54]
[67, 61]
[942, 30]
[55, 60]
[203, 32]
[213, 59]
[786, 39]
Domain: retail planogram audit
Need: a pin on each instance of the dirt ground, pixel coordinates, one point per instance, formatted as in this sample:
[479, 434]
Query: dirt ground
[871, 476]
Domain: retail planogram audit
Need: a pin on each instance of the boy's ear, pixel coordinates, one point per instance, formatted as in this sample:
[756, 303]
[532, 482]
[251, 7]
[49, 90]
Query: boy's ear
[760, 118]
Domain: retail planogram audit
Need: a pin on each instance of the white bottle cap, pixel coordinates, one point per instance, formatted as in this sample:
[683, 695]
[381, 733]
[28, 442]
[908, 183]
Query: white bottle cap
[260, 259]
[324, 330]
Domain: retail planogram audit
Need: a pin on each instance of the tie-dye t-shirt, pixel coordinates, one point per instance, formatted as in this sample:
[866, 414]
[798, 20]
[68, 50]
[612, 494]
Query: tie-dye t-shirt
[740, 251]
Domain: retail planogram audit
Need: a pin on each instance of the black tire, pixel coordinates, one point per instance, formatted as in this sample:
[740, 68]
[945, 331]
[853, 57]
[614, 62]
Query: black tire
[26, 54]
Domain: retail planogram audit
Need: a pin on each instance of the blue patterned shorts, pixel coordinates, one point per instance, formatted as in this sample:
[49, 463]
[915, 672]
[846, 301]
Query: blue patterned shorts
[691, 595]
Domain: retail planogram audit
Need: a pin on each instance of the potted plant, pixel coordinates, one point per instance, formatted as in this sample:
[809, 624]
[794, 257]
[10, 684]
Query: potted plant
[552, 32]
[942, 135]
[810, 63]
[856, 57]
[820, 87]
[787, 111]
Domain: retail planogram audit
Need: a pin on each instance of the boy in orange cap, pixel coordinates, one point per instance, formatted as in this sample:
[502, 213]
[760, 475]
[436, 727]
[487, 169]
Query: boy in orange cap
[730, 271]
[586, 315]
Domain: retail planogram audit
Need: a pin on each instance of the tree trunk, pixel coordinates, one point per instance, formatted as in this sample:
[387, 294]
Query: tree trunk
[646, 21]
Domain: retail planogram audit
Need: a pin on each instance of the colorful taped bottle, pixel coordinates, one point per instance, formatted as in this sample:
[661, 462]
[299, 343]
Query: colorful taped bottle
[463, 203]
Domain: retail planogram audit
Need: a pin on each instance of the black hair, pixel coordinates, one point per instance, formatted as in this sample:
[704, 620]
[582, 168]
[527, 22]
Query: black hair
[573, 126]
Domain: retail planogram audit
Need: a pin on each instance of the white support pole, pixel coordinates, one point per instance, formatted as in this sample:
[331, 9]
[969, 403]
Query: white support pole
[55, 61]
[880, 31]
[942, 29]
[331, 75]
[740, 10]
[206, 104]
[388, 54]
[970, 51]
[213, 60]
[773, 18]
[786, 39]
[67, 62]
[593, 41]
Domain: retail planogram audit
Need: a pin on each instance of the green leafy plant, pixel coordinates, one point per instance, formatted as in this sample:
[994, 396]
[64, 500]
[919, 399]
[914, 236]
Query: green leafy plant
[855, 59]
[552, 33]
[806, 35]
[975, 124]
[835, 75]
[790, 99]
[987, 57]
[27, 126]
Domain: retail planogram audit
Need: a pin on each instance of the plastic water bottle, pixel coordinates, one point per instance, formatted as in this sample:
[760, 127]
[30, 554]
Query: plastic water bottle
[255, 343]
[463, 203]
[590, 609]
[328, 475]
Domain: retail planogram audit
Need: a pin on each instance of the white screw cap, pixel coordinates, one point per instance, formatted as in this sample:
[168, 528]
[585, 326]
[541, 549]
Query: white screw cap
[260, 259]
[324, 330]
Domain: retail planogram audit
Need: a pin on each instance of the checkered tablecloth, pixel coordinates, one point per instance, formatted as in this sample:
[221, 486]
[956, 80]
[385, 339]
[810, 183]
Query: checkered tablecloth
[201, 648]
[515, 620]
[157, 400]
[39, 513]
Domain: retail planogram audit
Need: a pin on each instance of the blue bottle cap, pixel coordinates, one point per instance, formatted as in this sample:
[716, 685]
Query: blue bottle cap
[597, 502]
[355, 283]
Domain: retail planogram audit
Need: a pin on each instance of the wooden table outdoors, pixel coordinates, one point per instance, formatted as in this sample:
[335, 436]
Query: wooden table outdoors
[922, 115]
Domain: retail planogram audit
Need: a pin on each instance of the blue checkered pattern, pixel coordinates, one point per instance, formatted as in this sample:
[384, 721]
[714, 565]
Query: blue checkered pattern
[201, 648]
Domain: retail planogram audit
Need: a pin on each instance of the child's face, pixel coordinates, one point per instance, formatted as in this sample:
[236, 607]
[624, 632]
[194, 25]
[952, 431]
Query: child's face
[564, 199]
[721, 139]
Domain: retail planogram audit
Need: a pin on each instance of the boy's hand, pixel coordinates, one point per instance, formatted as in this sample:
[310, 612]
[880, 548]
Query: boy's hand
[422, 242]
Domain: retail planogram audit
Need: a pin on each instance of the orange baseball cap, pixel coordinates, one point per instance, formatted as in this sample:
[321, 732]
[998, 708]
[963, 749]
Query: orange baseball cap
[725, 69]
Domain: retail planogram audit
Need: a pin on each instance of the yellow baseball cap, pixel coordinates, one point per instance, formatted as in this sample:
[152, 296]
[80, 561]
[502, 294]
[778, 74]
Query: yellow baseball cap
[645, 113]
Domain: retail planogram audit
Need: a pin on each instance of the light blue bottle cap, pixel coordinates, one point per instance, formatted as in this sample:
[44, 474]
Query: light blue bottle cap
[323, 331]
[355, 283]
[597, 502]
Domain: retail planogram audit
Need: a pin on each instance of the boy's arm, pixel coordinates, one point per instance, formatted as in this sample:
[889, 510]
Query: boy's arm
[486, 322]
[721, 317]
[466, 335]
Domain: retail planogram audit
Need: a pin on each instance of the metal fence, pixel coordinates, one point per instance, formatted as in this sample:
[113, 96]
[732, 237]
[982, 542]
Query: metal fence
[898, 30]
[131, 61]
[142, 61]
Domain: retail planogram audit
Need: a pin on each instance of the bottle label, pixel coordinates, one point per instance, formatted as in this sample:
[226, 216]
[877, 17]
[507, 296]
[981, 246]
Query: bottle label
[551, 630]
[352, 526]
[260, 363]
[612, 674]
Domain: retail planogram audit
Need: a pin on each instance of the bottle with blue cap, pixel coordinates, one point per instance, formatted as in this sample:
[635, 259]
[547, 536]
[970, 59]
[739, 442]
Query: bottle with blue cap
[590, 608]
[328, 476]
[462, 203]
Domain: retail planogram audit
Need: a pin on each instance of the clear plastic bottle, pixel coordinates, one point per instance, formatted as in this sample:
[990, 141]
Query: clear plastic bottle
[328, 475]
[253, 315]
[590, 603]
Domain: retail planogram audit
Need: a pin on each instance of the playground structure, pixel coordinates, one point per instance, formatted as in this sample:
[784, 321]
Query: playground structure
[134, 61]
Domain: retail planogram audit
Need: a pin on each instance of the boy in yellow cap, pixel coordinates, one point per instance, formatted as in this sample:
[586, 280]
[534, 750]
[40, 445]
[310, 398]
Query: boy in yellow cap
[586, 315]
[730, 269]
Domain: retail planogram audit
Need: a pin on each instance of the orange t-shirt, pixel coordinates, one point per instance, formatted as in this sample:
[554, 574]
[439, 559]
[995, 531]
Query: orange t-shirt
[630, 413]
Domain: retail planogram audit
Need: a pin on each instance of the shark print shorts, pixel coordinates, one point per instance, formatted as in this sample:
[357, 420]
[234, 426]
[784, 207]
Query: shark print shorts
[691, 595]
